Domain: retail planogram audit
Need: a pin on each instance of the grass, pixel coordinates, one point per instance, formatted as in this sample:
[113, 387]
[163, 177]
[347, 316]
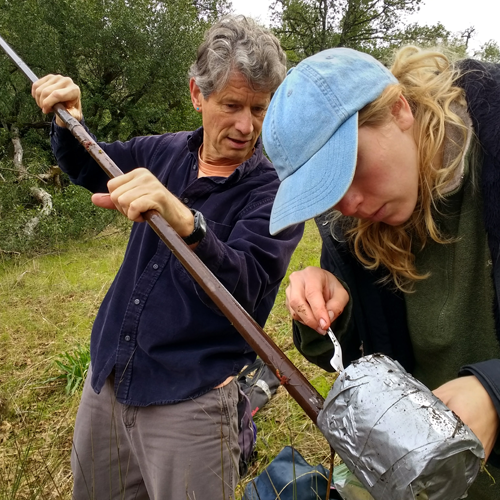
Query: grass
[48, 306]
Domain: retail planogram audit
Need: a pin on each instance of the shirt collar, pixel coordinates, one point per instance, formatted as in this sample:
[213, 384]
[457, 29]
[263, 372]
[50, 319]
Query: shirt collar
[195, 140]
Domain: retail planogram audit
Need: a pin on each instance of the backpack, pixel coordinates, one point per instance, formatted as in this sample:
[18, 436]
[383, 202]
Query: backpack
[290, 477]
[247, 432]
[259, 383]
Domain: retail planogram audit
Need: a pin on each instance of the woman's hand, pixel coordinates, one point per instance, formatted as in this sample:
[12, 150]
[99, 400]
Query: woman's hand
[315, 297]
[467, 397]
[52, 89]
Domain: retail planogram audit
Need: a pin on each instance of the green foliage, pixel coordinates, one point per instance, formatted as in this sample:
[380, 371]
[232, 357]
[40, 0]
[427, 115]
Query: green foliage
[489, 52]
[73, 216]
[49, 303]
[74, 367]
[306, 27]
[22, 475]
[130, 59]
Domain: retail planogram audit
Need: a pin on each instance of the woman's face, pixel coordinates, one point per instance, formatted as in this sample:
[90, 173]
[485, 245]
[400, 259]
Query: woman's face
[385, 184]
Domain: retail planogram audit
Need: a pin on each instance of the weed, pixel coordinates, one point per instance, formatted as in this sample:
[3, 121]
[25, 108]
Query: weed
[74, 367]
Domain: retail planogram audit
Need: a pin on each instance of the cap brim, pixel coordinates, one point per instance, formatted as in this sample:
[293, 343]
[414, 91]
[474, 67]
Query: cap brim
[320, 183]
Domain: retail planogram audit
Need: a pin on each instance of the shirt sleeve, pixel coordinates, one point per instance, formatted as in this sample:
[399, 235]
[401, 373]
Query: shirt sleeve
[488, 373]
[250, 263]
[75, 161]
[317, 348]
[82, 169]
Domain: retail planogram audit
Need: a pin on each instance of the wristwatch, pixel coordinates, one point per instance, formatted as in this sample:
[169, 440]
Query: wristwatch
[200, 228]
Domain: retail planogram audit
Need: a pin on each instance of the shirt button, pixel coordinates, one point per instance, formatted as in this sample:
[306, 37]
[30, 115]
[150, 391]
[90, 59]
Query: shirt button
[155, 266]
[127, 338]
[137, 302]
[186, 200]
[194, 167]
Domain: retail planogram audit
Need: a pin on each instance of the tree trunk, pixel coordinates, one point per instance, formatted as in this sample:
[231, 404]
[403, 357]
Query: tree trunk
[22, 172]
[53, 176]
[46, 201]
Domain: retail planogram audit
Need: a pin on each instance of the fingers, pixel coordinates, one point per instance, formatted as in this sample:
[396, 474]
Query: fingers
[136, 192]
[315, 297]
[139, 191]
[300, 310]
[52, 89]
[130, 194]
[339, 298]
[103, 200]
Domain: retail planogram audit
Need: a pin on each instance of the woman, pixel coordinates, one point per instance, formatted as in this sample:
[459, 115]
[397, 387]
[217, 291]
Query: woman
[409, 161]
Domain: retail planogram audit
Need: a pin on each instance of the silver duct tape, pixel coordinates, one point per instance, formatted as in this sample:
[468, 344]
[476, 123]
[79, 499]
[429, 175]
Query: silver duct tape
[399, 439]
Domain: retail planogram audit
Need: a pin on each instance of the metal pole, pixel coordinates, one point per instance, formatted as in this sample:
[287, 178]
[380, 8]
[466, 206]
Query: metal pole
[293, 380]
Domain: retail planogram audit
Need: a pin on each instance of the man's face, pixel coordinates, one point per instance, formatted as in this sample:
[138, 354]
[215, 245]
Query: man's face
[232, 120]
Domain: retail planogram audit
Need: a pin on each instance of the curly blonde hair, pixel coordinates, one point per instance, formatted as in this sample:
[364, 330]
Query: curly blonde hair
[427, 81]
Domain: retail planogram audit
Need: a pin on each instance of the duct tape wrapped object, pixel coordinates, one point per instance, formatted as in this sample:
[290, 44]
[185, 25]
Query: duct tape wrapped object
[399, 440]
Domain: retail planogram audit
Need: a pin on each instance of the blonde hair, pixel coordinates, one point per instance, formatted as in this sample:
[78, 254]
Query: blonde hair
[427, 81]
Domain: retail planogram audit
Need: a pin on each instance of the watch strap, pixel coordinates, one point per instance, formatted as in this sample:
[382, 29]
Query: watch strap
[200, 228]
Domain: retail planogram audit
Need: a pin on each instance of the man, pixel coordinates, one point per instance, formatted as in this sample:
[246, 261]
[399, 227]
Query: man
[158, 416]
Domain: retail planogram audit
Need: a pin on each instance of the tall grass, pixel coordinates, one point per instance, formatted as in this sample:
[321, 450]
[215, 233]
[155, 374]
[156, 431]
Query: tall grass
[49, 303]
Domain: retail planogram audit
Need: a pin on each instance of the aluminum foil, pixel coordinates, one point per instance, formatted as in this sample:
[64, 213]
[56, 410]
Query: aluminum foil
[398, 439]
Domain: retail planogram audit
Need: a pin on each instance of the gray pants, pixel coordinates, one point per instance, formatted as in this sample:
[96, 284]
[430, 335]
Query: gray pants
[173, 452]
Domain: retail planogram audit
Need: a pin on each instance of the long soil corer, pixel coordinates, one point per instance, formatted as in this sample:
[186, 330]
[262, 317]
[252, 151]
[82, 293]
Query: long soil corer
[292, 379]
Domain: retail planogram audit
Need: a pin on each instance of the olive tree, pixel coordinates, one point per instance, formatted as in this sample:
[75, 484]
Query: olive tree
[306, 27]
[130, 59]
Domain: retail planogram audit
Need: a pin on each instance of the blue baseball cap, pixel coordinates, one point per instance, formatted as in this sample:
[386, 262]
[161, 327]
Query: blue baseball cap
[310, 131]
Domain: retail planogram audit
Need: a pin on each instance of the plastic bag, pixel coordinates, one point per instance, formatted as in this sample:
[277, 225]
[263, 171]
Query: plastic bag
[348, 485]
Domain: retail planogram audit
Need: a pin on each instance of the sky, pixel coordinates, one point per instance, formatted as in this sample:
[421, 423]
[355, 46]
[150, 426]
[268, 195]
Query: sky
[455, 15]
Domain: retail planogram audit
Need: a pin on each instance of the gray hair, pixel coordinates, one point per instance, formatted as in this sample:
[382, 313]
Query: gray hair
[237, 43]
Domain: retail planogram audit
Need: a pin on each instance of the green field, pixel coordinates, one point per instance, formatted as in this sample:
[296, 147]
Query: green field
[48, 306]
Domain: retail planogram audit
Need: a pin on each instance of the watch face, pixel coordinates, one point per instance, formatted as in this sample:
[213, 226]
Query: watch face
[203, 223]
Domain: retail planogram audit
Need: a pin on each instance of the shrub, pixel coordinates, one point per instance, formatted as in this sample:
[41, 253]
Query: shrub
[73, 216]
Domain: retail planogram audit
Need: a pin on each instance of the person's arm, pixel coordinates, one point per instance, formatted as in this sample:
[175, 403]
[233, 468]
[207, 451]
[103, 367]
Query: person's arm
[70, 154]
[133, 193]
[475, 398]
[81, 168]
[250, 263]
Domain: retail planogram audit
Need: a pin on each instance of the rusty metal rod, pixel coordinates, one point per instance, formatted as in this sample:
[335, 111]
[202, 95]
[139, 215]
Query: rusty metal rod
[292, 379]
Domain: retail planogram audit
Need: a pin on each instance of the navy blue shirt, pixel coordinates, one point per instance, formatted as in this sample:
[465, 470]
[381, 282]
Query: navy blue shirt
[156, 327]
